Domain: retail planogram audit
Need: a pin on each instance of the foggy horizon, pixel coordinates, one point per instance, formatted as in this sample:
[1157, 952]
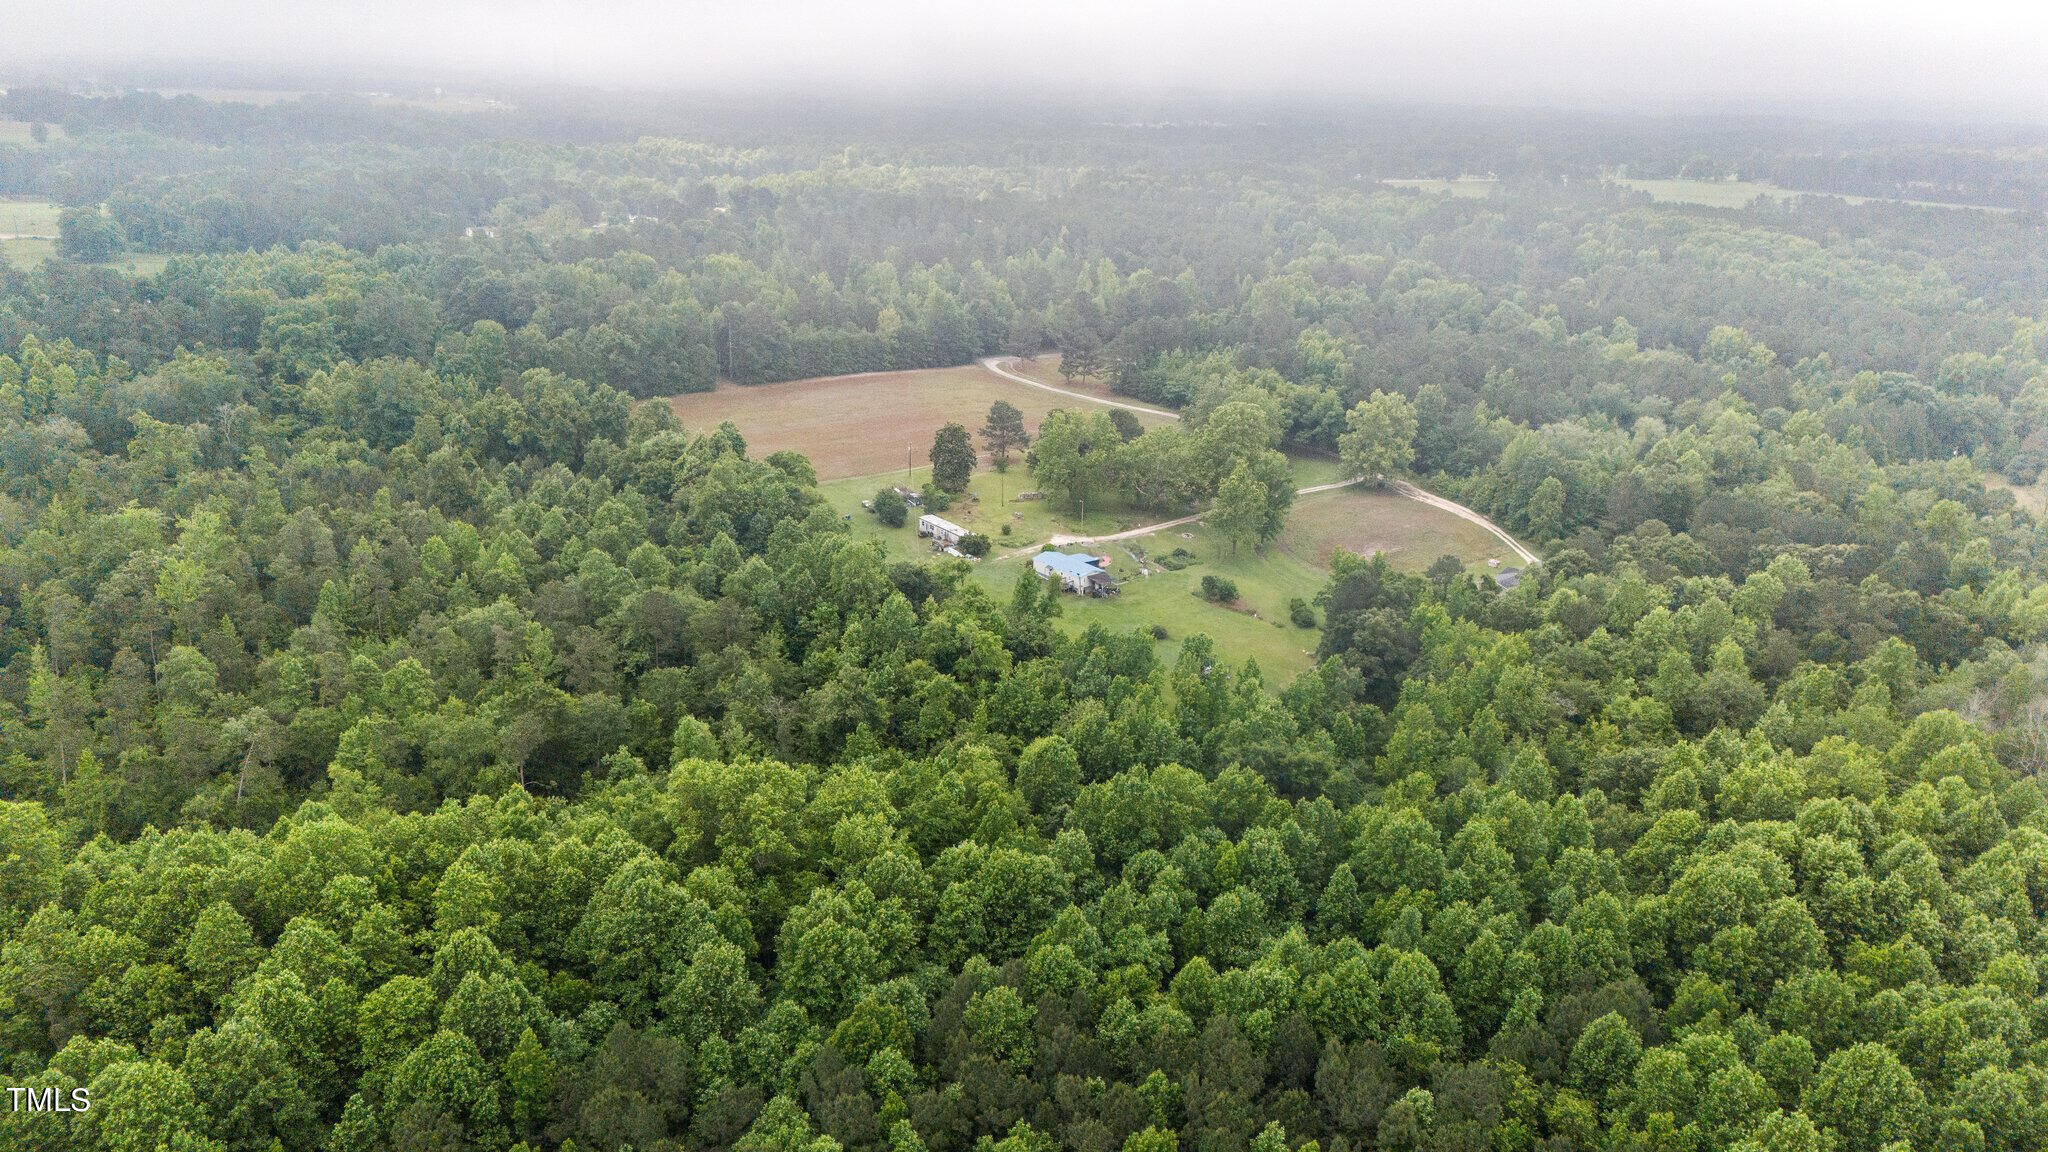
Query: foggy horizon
[1970, 61]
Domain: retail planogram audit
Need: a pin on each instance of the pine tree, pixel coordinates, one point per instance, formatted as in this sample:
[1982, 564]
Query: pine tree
[1081, 356]
[1003, 432]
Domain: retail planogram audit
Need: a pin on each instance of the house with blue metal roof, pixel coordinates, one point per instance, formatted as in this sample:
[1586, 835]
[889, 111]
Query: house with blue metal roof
[1078, 573]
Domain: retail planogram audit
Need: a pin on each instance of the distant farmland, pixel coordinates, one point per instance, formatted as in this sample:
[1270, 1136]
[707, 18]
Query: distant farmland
[22, 132]
[863, 425]
[28, 231]
[1743, 193]
[28, 219]
[1464, 187]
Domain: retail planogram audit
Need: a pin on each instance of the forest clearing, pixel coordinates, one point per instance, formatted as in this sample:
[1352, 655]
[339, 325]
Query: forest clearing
[28, 219]
[1364, 521]
[852, 428]
[862, 424]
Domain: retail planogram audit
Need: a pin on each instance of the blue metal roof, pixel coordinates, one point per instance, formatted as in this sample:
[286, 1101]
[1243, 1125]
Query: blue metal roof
[1066, 563]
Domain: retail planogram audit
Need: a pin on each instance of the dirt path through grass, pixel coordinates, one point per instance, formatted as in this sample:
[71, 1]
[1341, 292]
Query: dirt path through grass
[1464, 513]
[1058, 541]
[995, 365]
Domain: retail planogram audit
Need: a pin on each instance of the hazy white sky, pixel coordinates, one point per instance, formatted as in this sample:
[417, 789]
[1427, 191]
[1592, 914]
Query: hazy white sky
[1974, 58]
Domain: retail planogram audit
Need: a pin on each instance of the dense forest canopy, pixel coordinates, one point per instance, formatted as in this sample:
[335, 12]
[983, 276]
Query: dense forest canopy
[411, 737]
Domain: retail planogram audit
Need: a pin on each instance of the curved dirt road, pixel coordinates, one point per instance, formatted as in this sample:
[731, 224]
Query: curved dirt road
[1463, 513]
[995, 365]
[1058, 540]
[1419, 495]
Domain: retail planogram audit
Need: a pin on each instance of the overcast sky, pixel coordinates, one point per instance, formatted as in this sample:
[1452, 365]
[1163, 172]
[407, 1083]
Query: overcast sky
[1973, 59]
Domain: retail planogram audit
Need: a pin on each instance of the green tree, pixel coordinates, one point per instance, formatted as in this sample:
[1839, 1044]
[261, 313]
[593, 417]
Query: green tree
[1081, 357]
[890, 508]
[1221, 589]
[1074, 455]
[1048, 774]
[31, 861]
[1867, 1097]
[1004, 433]
[220, 949]
[1545, 512]
[88, 235]
[1241, 508]
[1604, 1057]
[441, 1095]
[1379, 437]
[141, 1106]
[952, 458]
[248, 1088]
[530, 1084]
[1000, 1023]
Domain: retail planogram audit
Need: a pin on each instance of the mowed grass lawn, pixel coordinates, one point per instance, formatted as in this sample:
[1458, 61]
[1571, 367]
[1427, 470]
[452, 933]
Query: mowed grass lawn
[140, 263]
[31, 253]
[863, 425]
[993, 503]
[1366, 520]
[1255, 627]
[1706, 193]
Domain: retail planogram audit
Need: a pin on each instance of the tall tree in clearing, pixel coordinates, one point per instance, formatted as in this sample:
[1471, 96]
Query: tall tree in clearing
[1003, 433]
[1073, 455]
[1241, 507]
[1379, 437]
[952, 458]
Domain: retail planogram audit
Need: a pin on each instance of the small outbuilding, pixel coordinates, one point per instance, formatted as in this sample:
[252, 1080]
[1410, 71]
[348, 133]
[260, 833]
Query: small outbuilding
[943, 532]
[1508, 578]
[1084, 575]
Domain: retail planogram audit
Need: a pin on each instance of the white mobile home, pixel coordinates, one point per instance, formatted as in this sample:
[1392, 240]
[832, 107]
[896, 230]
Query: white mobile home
[943, 532]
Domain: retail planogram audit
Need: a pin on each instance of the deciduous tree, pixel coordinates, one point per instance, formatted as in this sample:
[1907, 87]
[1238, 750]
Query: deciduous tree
[1379, 437]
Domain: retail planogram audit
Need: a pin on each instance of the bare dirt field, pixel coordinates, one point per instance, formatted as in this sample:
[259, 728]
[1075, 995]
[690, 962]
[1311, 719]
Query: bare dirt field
[863, 425]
